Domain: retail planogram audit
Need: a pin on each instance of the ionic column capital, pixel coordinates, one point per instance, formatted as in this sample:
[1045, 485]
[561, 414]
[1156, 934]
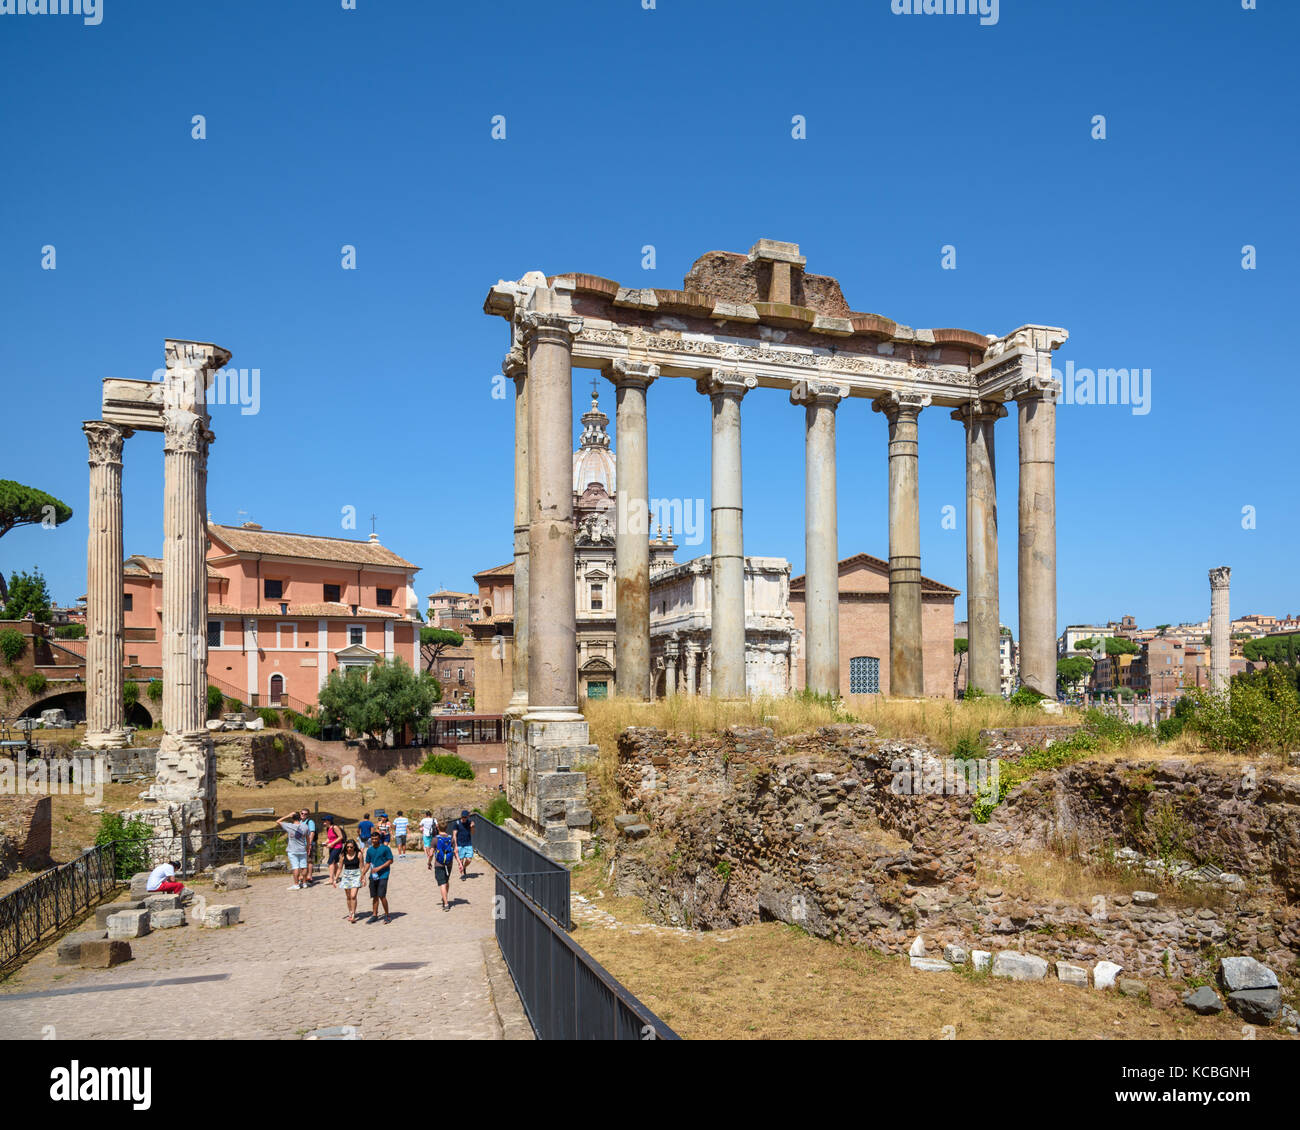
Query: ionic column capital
[975, 410]
[818, 394]
[515, 364]
[105, 442]
[1219, 577]
[549, 328]
[731, 383]
[1035, 386]
[897, 404]
[632, 374]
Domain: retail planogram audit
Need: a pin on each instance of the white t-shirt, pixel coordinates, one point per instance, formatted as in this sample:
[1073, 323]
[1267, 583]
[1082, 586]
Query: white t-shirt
[159, 875]
[426, 826]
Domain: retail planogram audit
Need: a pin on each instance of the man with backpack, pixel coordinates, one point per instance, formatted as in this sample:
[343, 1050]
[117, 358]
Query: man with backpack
[462, 834]
[444, 851]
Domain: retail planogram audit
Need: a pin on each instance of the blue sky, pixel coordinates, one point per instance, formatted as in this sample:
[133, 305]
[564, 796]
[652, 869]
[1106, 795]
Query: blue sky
[669, 127]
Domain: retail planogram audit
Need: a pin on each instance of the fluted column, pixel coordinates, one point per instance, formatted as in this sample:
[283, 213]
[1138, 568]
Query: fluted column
[906, 676]
[982, 601]
[516, 368]
[725, 389]
[670, 670]
[821, 537]
[690, 659]
[105, 710]
[1036, 401]
[632, 539]
[552, 595]
[1220, 625]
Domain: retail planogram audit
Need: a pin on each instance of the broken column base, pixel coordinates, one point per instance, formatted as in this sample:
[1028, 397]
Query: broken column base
[186, 791]
[548, 797]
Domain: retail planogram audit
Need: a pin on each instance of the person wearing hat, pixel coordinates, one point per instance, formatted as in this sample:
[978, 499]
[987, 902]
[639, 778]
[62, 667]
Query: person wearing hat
[462, 835]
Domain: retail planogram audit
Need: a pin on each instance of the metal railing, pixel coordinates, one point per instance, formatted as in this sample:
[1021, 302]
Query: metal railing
[541, 879]
[52, 899]
[567, 993]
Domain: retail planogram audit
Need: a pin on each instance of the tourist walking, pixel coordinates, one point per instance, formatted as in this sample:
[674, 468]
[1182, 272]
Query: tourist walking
[334, 845]
[350, 875]
[444, 851]
[428, 828]
[379, 863]
[311, 844]
[400, 827]
[364, 828]
[463, 836]
[296, 848]
[384, 828]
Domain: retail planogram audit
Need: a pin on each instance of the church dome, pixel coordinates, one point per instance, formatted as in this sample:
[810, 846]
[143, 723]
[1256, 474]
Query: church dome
[593, 462]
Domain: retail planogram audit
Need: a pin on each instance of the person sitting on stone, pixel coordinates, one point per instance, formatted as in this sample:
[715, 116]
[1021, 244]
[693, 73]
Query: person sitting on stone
[162, 880]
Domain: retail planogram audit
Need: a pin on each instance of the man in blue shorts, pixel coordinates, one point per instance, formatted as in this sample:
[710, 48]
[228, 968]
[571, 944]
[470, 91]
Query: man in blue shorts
[462, 834]
[364, 828]
[379, 862]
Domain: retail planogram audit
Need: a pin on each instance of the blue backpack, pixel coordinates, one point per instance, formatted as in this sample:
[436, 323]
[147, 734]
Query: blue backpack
[442, 849]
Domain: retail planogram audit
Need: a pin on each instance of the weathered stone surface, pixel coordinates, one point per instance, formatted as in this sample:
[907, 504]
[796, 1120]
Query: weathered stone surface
[918, 947]
[217, 916]
[274, 865]
[162, 902]
[1130, 987]
[1289, 1018]
[956, 954]
[104, 954]
[230, 877]
[1237, 973]
[1145, 898]
[1019, 966]
[102, 912]
[930, 965]
[1257, 1006]
[1204, 1001]
[636, 831]
[69, 948]
[140, 886]
[128, 924]
[167, 919]
[1071, 974]
[981, 960]
[1104, 974]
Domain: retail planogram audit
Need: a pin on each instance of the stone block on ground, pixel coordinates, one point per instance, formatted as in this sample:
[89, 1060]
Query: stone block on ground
[930, 964]
[1104, 974]
[917, 948]
[955, 954]
[1256, 1006]
[230, 877]
[1130, 987]
[167, 919]
[1145, 898]
[128, 924]
[139, 885]
[102, 912]
[1019, 966]
[69, 948]
[1237, 973]
[105, 953]
[274, 865]
[636, 831]
[1204, 1001]
[215, 917]
[162, 902]
[1071, 974]
[981, 960]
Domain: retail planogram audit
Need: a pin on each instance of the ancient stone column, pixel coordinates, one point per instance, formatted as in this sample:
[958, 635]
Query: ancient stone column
[632, 539]
[821, 537]
[982, 604]
[670, 670]
[552, 596]
[105, 711]
[1036, 400]
[515, 368]
[690, 658]
[1220, 625]
[725, 389]
[901, 409]
[186, 777]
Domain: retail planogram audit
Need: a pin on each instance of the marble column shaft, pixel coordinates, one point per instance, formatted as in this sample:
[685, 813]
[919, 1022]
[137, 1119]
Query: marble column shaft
[552, 592]
[105, 710]
[632, 538]
[906, 675]
[983, 613]
[725, 389]
[1036, 401]
[1220, 629]
[821, 538]
[516, 368]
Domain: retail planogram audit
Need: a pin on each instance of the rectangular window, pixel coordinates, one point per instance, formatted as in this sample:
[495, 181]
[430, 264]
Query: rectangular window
[333, 594]
[460, 674]
[356, 635]
[597, 597]
[864, 675]
[273, 590]
[383, 597]
[133, 661]
[127, 600]
[214, 633]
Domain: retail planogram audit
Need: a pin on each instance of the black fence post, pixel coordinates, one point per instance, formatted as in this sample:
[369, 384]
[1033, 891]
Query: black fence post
[241, 847]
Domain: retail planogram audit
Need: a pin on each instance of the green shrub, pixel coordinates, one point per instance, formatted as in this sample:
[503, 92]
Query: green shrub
[130, 694]
[967, 747]
[70, 632]
[449, 765]
[154, 690]
[12, 645]
[1026, 696]
[304, 723]
[230, 706]
[270, 717]
[215, 700]
[131, 838]
[499, 811]
[1259, 712]
[36, 682]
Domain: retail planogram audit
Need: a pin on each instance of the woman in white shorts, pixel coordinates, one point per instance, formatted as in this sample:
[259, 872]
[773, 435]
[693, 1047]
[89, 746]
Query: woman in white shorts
[350, 876]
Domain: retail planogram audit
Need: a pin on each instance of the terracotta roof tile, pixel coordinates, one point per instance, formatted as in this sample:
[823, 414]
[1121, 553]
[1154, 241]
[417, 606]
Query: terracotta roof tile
[279, 544]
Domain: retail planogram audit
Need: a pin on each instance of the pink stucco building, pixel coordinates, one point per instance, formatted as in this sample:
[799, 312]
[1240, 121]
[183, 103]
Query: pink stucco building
[284, 610]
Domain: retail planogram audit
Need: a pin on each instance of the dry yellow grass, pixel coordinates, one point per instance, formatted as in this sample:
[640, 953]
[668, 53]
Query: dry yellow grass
[772, 981]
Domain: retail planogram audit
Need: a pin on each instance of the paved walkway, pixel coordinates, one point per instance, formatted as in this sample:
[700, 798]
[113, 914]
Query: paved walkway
[292, 967]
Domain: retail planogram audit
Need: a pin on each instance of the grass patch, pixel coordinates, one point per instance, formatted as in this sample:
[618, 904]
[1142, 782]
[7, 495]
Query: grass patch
[449, 765]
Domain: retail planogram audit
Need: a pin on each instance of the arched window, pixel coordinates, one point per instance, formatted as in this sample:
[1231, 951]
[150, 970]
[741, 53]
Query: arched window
[277, 689]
